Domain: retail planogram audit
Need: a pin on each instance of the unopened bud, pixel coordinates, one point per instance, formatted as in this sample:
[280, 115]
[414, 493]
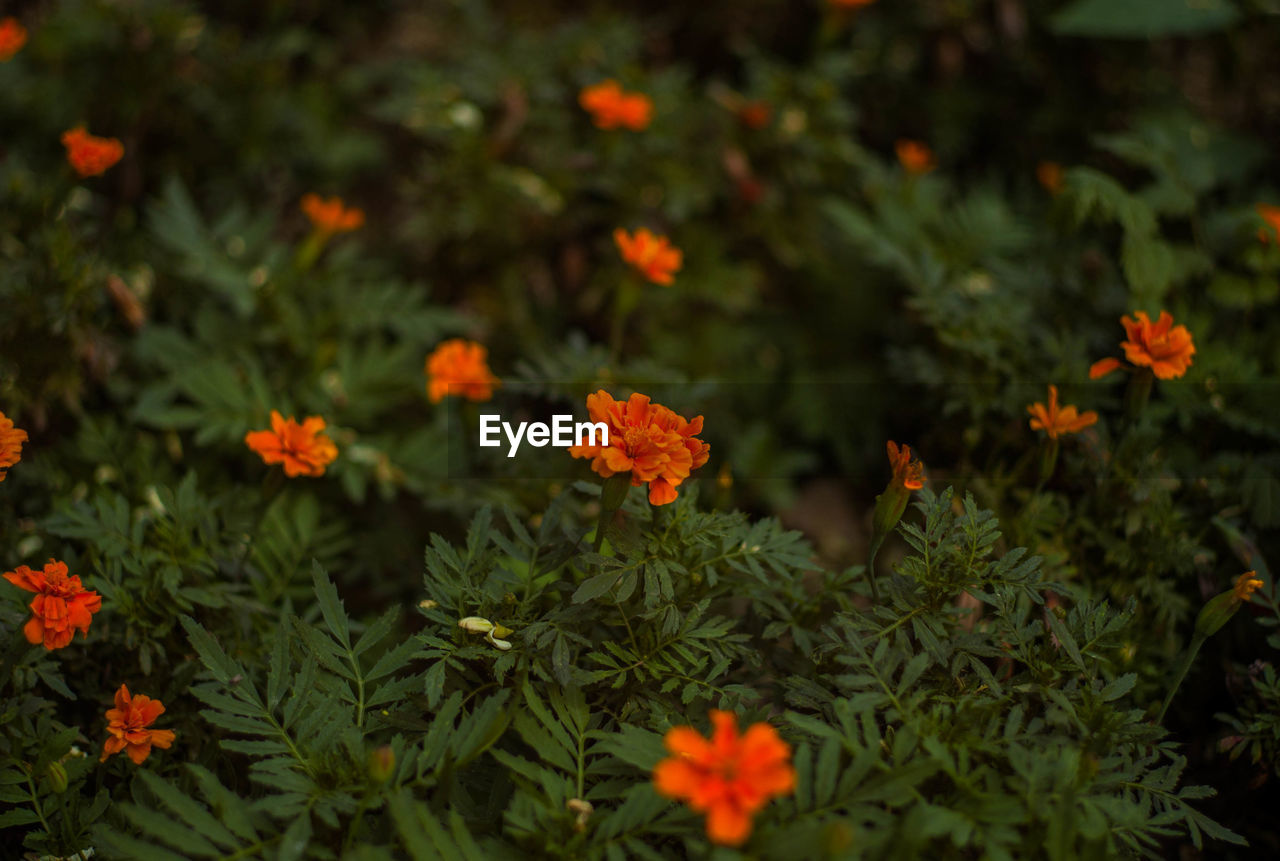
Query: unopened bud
[382, 764]
[583, 809]
[475, 625]
[57, 777]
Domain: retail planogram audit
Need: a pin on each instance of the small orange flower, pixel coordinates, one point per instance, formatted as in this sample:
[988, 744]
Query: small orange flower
[611, 107]
[915, 156]
[906, 472]
[1165, 348]
[1055, 421]
[61, 607]
[11, 440]
[331, 216]
[12, 37]
[729, 777]
[1270, 215]
[302, 448]
[653, 443]
[1246, 584]
[460, 367]
[89, 155]
[128, 723]
[652, 256]
[1049, 175]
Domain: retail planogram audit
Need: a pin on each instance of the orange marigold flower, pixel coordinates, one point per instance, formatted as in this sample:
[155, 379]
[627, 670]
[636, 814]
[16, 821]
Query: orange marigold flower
[652, 256]
[127, 723]
[302, 448]
[331, 216]
[1165, 348]
[1049, 175]
[11, 440]
[1246, 584]
[1055, 421]
[12, 37]
[652, 442]
[916, 157]
[1270, 215]
[89, 155]
[460, 367]
[729, 777]
[611, 107]
[61, 607]
[906, 472]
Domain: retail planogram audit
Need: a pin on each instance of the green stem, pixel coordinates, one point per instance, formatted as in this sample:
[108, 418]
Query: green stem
[35, 804]
[871, 567]
[1187, 659]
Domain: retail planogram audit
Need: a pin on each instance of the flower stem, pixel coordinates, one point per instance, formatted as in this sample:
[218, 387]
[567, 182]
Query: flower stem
[1187, 660]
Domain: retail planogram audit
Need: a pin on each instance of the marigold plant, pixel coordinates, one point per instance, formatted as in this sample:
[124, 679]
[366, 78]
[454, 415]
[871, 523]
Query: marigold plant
[61, 606]
[652, 256]
[1161, 346]
[729, 777]
[12, 37]
[915, 156]
[460, 368]
[127, 726]
[11, 440]
[650, 441]
[302, 448]
[332, 215]
[89, 155]
[1055, 420]
[612, 107]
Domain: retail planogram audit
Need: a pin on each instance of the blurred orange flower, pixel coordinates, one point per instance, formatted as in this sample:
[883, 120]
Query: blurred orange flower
[915, 156]
[755, 114]
[11, 440]
[460, 367]
[89, 155]
[12, 37]
[611, 107]
[1049, 175]
[652, 256]
[652, 442]
[127, 723]
[1271, 215]
[729, 777]
[302, 448]
[331, 216]
[61, 607]
[1165, 348]
[1246, 584]
[906, 472]
[1055, 421]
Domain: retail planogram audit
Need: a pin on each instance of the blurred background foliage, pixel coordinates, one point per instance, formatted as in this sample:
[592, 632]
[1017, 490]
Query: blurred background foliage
[829, 300]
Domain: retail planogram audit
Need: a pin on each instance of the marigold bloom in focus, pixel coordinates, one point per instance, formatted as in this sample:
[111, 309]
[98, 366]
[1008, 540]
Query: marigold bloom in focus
[1055, 421]
[652, 256]
[1165, 348]
[89, 155]
[12, 37]
[460, 367]
[11, 440]
[652, 442]
[302, 448]
[127, 723]
[729, 777]
[61, 607]
[906, 472]
[915, 156]
[1270, 215]
[1246, 584]
[611, 107]
[331, 216]
[1049, 175]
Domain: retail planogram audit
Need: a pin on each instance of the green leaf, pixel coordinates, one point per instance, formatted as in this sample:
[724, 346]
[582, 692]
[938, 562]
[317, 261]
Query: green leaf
[1144, 19]
[335, 615]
